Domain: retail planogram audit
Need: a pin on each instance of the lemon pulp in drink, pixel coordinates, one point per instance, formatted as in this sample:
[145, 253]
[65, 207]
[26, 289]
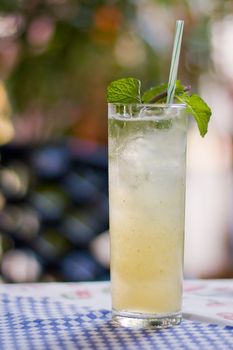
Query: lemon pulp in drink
[147, 197]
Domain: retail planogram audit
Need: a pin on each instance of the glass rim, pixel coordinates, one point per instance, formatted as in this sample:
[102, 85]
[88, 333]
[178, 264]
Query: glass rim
[150, 105]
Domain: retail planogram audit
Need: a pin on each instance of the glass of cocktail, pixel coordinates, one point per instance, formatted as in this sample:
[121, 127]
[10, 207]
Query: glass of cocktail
[147, 153]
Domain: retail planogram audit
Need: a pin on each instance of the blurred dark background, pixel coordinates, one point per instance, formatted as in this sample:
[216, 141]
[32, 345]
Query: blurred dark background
[56, 60]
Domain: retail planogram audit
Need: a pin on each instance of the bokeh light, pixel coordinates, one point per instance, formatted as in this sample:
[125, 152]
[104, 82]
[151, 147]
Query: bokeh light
[56, 60]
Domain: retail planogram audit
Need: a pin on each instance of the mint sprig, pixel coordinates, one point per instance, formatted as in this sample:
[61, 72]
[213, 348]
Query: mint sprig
[127, 90]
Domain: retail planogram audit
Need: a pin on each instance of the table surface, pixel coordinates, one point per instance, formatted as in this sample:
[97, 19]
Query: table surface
[77, 316]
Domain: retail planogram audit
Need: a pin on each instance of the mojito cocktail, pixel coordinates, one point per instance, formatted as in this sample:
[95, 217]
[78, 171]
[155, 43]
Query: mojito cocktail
[147, 157]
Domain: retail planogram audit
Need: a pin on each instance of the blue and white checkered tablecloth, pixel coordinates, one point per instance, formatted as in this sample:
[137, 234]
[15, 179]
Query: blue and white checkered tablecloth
[29, 323]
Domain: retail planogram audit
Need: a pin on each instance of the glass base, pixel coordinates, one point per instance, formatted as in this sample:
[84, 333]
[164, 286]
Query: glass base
[140, 320]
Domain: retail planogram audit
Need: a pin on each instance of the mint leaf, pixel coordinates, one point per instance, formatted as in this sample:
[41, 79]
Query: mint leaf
[159, 93]
[180, 88]
[153, 92]
[125, 90]
[199, 110]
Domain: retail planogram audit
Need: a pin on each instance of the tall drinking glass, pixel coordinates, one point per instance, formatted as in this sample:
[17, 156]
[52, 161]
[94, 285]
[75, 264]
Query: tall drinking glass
[147, 161]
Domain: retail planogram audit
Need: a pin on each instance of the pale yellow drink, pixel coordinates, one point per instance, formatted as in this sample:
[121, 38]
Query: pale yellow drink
[147, 149]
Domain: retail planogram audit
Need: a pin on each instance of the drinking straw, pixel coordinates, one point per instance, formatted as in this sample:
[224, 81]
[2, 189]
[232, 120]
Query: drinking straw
[175, 61]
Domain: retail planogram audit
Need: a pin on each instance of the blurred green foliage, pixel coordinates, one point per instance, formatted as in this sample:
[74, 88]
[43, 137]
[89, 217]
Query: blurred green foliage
[57, 56]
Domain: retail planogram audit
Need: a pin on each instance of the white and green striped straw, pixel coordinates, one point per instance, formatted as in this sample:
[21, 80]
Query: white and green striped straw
[175, 61]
